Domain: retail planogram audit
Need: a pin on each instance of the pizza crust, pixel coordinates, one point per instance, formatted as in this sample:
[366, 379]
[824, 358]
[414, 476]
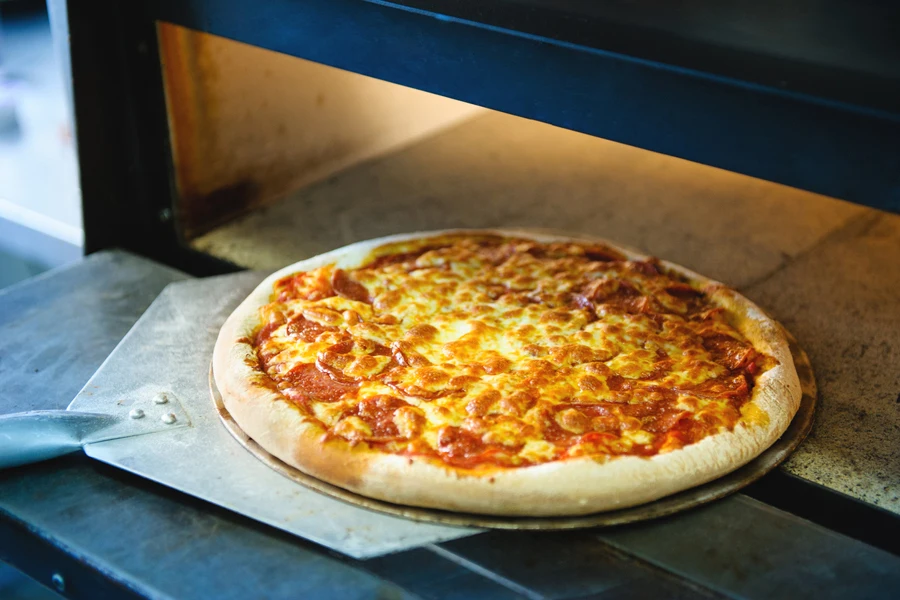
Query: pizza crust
[570, 487]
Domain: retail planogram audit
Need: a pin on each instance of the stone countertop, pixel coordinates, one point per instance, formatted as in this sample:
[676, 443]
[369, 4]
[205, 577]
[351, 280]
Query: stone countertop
[826, 268]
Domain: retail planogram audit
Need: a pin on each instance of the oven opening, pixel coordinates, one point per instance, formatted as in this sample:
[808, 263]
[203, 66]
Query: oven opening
[276, 159]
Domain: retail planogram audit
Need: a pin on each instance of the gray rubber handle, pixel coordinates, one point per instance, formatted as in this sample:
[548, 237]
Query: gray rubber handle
[33, 436]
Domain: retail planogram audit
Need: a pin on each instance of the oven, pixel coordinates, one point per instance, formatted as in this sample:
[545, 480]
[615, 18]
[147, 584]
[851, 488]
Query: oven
[758, 145]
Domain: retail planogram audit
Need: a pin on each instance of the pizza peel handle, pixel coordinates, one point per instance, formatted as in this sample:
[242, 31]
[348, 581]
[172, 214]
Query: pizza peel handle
[34, 436]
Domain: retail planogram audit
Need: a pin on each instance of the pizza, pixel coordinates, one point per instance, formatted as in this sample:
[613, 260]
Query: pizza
[504, 372]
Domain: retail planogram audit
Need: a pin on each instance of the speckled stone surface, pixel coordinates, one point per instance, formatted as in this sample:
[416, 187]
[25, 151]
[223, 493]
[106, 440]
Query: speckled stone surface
[829, 270]
[500, 170]
[841, 299]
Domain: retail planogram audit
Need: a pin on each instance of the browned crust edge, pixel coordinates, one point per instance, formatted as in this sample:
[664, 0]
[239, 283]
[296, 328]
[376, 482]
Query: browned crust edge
[571, 487]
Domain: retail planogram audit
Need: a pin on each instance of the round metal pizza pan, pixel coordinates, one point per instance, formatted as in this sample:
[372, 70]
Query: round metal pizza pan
[690, 498]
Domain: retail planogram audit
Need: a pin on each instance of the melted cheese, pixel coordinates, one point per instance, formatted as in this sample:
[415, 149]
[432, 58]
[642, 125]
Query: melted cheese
[534, 352]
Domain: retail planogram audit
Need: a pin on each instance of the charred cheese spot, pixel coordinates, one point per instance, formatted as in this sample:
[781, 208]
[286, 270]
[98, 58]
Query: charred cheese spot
[573, 420]
[484, 352]
[556, 316]
[366, 367]
[421, 333]
[494, 363]
[431, 376]
[589, 383]
[514, 405]
[387, 300]
[481, 404]
[410, 421]
[571, 354]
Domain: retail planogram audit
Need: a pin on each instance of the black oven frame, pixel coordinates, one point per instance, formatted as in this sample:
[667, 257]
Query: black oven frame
[713, 82]
[129, 200]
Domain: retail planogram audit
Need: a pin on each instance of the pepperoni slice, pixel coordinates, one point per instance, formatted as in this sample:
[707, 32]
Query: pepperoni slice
[307, 330]
[602, 254]
[581, 301]
[729, 352]
[664, 421]
[348, 288]
[304, 286]
[310, 383]
[267, 330]
[683, 291]
[649, 267]
[733, 387]
[497, 254]
[401, 258]
[456, 442]
[378, 412]
[405, 355]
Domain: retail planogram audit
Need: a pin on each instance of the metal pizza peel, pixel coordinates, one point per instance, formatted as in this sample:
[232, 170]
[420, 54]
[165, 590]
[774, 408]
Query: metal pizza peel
[38, 435]
[148, 411]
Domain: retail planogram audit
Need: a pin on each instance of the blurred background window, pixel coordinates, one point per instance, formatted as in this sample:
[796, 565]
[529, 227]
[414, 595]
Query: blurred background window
[40, 205]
